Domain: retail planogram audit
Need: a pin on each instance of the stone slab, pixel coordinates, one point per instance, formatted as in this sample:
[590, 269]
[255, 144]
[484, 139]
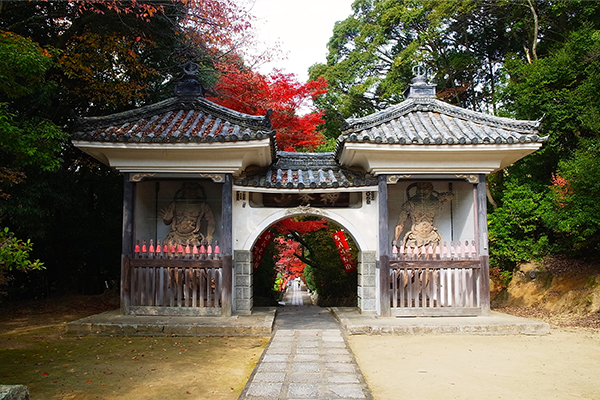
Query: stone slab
[259, 322]
[355, 323]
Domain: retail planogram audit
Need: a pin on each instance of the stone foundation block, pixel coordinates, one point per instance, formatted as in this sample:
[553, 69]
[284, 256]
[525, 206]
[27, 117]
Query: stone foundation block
[14, 392]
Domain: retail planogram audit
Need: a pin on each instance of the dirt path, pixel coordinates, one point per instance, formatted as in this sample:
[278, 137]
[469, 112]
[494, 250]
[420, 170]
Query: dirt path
[562, 365]
[34, 351]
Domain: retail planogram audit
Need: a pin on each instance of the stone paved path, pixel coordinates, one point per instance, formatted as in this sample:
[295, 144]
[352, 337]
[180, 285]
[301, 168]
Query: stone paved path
[307, 358]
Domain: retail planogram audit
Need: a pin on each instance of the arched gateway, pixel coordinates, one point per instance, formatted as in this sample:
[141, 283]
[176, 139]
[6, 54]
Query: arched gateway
[202, 183]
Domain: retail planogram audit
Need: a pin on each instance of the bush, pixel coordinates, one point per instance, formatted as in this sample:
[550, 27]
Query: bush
[14, 255]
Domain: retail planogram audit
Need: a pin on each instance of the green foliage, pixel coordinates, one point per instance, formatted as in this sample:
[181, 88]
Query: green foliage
[549, 198]
[23, 65]
[562, 88]
[516, 230]
[15, 254]
[25, 138]
[576, 213]
[325, 273]
[29, 142]
[309, 278]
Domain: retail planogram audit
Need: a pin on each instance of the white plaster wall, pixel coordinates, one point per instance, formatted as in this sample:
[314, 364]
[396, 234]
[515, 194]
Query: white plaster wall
[249, 222]
[360, 223]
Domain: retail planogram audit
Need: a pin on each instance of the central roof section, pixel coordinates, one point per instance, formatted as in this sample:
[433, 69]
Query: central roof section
[191, 135]
[306, 171]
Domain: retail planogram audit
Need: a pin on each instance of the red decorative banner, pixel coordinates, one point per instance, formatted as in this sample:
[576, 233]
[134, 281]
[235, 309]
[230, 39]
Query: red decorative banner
[344, 250]
[260, 247]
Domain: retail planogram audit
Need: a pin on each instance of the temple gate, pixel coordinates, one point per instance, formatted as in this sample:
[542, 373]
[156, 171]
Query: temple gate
[203, 182]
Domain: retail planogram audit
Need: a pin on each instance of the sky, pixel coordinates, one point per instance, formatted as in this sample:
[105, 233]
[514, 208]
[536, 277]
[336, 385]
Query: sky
[303, 27]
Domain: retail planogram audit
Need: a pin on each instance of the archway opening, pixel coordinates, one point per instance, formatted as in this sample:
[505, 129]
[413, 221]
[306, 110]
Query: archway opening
[313, 251]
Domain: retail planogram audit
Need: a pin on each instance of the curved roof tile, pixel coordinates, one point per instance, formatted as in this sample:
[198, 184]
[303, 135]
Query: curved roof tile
[306, 171]
[425, 120]
[175, 120]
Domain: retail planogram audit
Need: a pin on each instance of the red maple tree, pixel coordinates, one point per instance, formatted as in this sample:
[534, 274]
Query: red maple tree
[288, 259]
[291, 225]
[250, 92]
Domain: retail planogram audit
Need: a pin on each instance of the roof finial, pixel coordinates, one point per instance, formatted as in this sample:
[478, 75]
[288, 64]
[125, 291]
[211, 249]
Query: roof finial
[421, 85]
[189, 85]
[191, 68]
[419, 71]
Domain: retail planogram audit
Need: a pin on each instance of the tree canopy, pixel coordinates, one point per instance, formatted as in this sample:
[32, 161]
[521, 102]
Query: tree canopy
[526, 59]
[67, 59]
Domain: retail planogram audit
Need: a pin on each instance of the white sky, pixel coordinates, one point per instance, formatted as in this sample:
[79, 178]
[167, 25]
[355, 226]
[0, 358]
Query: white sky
[303, 27]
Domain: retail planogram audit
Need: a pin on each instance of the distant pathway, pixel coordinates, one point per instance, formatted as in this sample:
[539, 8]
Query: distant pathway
[307, 358]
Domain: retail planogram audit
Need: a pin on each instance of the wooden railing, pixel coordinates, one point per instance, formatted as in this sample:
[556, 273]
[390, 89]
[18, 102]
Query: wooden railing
[163, 286]
[426, 281]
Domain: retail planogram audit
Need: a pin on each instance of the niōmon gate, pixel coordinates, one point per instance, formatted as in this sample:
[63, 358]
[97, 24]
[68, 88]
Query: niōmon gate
[203, 182]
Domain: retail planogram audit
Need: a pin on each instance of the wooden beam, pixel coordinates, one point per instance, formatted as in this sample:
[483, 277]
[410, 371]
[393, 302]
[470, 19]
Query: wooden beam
[127, 242]
[174, 263]
[384, 245]
[227, 245]
[483, 245]
[436, 264]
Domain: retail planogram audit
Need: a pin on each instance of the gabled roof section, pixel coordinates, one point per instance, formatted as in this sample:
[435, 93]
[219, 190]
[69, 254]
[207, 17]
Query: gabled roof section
[183, 134]
[425, 135]
[179, 119]
[306, 171]
[425, 120]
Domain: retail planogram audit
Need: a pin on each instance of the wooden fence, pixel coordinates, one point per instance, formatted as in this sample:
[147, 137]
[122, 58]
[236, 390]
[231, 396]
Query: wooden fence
[426, 281]
[176, 281]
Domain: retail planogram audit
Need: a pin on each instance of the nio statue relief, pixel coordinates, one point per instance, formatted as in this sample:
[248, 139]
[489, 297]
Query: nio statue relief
[185, 215]
[421, 209]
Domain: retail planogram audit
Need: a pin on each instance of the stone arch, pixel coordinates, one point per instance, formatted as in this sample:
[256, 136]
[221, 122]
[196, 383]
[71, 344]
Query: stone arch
[367, 279]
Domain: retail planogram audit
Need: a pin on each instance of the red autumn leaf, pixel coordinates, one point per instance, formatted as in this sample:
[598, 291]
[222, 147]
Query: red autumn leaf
[45, 374]
[288, 225]
[252, 93]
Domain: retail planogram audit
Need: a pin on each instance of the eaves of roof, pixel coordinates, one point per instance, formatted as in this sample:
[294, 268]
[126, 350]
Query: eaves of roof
[424, 120]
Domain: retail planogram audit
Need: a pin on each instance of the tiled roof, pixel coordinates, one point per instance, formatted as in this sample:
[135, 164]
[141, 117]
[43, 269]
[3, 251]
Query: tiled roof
[424, 120]
[304, 171]
[176, 120]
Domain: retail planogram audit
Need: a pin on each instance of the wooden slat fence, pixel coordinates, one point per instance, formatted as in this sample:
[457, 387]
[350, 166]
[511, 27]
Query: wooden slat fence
[159, 284]
[426, 283]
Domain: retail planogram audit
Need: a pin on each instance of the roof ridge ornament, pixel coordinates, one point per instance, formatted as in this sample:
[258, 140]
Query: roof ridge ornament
[266, 122]
[421, 85]
[189, 85]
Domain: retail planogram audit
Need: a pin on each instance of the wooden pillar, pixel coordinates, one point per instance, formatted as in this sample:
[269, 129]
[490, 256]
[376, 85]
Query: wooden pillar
[127, 243]
[384, 245]
[227, 246]
[484, 254]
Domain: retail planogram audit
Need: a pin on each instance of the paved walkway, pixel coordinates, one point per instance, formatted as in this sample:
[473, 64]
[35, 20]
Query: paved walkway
[307, 358]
